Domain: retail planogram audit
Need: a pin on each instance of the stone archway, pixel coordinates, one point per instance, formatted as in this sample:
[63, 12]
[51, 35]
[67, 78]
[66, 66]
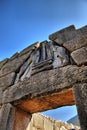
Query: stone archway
[44, 76]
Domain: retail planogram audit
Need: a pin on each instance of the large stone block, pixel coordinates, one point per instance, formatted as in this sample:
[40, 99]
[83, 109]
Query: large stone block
[46, 82]
[63, 35]
[80, 56]
[14, 56]
[80, 92]
[38, 121]
[61, 57]
[57, 125]
[48, 124]
[13, 65]
[29, 48]
[21, 119]
[6, 117]
[82, 30]
[3, 62]
[76, 43]
[7, 80]
[62, 128]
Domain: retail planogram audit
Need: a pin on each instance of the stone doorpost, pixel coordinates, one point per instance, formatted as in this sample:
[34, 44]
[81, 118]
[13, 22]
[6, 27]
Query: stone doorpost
[80, 91]
[12, 118]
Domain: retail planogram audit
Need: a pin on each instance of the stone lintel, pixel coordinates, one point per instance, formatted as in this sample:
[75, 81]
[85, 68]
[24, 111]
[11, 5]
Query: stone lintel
[46, 83]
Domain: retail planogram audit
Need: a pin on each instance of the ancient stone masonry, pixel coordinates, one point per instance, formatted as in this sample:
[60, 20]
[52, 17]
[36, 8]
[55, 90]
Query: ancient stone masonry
[43, 76]
[41, 122]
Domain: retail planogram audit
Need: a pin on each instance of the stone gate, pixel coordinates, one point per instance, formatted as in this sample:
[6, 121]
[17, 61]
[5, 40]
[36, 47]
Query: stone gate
[43, 76]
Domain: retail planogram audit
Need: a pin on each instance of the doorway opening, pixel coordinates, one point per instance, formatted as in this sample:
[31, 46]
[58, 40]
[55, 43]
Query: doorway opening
[63, 113]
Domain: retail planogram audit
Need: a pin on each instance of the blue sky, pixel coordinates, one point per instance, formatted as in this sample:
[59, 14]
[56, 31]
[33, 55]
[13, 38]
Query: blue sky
[23, 22]
[62, 113]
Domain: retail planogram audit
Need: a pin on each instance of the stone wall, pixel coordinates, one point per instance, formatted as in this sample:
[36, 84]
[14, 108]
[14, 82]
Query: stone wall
[46, 75]
[41, 122]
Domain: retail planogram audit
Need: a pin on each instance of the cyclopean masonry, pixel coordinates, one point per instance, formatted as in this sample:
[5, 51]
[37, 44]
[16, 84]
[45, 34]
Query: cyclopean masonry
[43, 76]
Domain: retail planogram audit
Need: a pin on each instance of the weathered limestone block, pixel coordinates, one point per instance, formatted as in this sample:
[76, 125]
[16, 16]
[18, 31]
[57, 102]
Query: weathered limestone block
[29, 49]
[57, 128]
[48, 56]
[57, 124]
[3, 62]
[49, 50]
[42, 58]
[6, 117]
[38, 121]
[62, 128]
[61, 57]
[33, 128]
[63, 35]
[69, 126]
[30, 125]
[25, 70]
[43, 50]
[37, 56]
[48, 101]
[14, 56]
[46, 65]
[13, 118]
[21, 119]
[13, 65]
[7, 80]
[80, 92]
[67, 34]
[27, 73]
[48, 124]
[80, 56]
[46, 82]
[82, 30]
[42, 122]
[76, 43]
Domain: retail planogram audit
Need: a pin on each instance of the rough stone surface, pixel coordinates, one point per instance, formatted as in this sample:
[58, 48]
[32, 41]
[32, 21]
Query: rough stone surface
[80, 56]
[60, 57]
[42, 76]
[29, 49]
[13, 65]
[7, 80]
[46, 82]
[67, 34]
[80, 91]
[48, 102]
[6, 117]
[41, 122]
[13, 118]
[3, 62]
[76, 43]
[14, 56]
[82, 30]
[63, 35]
[21, 119]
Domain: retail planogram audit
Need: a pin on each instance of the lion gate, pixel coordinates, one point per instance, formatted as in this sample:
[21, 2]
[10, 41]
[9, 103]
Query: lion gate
[44, 76]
